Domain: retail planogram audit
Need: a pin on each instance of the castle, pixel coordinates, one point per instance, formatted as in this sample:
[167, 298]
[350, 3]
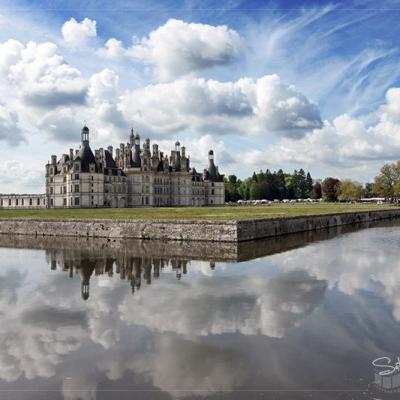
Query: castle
[132, 177]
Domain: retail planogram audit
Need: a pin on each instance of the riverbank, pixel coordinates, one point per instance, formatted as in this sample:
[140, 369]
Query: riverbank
[191, 230]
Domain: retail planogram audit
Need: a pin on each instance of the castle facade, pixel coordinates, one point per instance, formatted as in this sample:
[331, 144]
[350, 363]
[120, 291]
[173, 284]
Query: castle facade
[133, 176]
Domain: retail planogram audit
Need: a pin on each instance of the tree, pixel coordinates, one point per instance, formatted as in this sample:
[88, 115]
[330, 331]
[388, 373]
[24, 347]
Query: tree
[309, 185]
[369, 190]
[255, 192]
[385, 181]
[330, 188]
[348, 190]
[280, 185]
[316, 192]
[231, 190]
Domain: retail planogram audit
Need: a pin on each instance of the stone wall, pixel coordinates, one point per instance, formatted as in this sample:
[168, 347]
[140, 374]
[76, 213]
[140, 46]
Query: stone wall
[213, 231]
[256, 229]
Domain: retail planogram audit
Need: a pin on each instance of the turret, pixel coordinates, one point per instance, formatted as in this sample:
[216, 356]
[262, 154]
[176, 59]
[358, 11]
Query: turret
[132, 137]
[212, 171]
[137, 140]
[85, 136]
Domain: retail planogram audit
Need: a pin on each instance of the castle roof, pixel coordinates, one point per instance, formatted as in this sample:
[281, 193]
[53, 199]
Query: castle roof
[86, 157]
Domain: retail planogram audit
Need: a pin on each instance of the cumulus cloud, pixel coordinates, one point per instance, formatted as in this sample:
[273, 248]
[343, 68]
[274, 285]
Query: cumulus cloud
[78, 33]
[112, 49]
[40, 75]
[178, 48]
[246, 106]
[345, 142]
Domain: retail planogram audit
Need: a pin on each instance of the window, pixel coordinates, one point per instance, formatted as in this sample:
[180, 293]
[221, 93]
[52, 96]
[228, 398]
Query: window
[9, 202]
[30, 202]
[76, 188]
[51, 190]
[76, 176]
[64, 201]
[1, 202]
[22, 201]
[51, 202]
[76, 167]
[16, 202]
[64, 189]
[212, 191]
[38, 202]
[64, 179]
[76, 201]
[91, 178]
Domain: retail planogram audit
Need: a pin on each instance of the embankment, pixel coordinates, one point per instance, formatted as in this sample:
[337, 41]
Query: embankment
[197, 230]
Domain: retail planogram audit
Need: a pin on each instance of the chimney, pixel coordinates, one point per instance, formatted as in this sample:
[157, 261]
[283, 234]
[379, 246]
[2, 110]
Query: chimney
[54, 159]
[71, 154]
[110, 150]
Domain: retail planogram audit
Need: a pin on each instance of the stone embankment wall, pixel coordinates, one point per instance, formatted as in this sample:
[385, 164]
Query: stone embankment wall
[250, 230]
[214, 231]
[224, 231]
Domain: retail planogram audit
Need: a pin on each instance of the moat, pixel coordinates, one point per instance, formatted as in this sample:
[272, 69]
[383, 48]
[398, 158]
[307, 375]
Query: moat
[293, 317]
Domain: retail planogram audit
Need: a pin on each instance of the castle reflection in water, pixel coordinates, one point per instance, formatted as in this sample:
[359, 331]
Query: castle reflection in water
[132, 269]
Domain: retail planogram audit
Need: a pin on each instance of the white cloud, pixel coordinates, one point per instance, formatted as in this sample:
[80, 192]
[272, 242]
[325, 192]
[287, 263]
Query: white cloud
[78, 33]
[178, 48]
[113, 49]
[344, 142]
[103, 85]
[244, 107]
[40, 76]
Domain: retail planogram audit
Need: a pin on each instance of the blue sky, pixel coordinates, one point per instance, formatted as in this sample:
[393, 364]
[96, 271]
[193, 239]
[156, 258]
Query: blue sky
[280, 84]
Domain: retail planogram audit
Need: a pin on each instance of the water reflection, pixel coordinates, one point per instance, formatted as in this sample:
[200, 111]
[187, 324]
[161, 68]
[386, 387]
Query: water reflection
[312, 315]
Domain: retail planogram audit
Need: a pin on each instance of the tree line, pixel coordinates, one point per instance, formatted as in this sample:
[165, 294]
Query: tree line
[272, 185]
[279, 185]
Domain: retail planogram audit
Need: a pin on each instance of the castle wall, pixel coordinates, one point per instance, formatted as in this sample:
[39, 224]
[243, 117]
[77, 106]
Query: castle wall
[23, 201]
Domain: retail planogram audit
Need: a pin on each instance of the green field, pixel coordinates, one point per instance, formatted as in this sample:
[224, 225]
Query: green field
[222, 213]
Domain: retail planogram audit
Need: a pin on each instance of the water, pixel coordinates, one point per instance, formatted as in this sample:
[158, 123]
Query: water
[299, 317]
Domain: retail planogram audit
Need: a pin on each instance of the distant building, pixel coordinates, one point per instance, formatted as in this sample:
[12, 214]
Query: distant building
[133, 177]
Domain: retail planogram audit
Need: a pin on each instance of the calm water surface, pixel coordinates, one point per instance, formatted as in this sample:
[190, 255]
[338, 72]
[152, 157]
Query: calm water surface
[301, 317]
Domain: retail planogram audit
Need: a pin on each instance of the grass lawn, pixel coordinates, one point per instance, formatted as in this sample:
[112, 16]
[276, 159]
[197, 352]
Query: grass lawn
[221, 213]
